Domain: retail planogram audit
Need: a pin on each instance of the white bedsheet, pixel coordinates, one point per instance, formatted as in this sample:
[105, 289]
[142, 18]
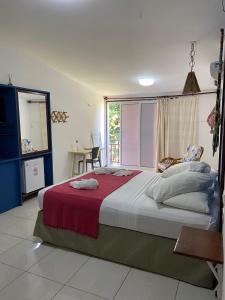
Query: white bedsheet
[128, 207]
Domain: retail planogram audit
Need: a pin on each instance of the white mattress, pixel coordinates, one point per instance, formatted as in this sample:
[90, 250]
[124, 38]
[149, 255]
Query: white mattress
[128, 207]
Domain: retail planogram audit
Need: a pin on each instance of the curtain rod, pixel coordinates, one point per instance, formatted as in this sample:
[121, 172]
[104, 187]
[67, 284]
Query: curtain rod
[111, 99]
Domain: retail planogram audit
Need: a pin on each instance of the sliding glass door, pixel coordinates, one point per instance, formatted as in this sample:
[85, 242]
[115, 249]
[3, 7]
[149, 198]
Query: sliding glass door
[131, 134]
[147, 135]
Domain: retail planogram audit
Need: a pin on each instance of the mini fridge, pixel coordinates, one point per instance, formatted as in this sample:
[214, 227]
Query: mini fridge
[33, 175]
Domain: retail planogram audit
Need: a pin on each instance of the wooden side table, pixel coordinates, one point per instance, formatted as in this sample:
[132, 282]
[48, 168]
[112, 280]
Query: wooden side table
[204, 245]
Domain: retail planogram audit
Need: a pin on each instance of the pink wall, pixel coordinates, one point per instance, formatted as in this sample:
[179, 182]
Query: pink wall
[147, 135]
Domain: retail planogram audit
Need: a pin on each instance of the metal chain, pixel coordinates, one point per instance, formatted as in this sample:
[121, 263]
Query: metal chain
[192, 56]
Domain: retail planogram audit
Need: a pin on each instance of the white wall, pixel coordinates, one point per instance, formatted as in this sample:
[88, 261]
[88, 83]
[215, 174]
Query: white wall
[206, 104]
[84, 106]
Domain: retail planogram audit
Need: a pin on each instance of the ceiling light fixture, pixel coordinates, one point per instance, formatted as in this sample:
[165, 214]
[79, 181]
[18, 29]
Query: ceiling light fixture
[146, 81]
[191, 84]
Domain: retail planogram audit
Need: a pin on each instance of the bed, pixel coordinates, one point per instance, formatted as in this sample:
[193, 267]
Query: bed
[136, 231]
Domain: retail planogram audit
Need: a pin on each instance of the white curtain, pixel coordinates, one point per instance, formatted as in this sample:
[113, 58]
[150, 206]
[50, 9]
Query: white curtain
[177, 125]
[43, 121]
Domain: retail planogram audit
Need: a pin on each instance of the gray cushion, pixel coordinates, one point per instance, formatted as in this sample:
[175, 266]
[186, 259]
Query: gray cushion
[193, 166]
[195, 201]
[185, 182]
[176, 169]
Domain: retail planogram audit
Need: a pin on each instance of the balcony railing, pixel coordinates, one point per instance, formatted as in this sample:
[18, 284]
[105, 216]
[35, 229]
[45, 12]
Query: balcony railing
[114, 152]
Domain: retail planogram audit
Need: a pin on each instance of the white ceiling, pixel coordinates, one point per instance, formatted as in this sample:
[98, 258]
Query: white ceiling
[109, 44]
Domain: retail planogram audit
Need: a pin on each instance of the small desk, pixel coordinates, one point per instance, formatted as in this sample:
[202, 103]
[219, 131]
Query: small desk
[202, 244]
[76, 154]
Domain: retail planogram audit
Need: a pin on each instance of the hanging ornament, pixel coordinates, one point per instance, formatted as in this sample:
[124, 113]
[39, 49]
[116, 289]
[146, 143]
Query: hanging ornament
[211, 120]
[191, 85]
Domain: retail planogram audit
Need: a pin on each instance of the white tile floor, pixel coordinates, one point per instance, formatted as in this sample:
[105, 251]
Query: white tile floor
[30, 270]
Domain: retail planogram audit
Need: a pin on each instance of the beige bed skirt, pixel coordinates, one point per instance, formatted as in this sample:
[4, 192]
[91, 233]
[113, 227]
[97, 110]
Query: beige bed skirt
[139, 250]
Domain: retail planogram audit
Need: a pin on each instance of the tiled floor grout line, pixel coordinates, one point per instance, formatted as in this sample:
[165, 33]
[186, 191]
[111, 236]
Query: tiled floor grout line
[19, 237]
[22, 218]
[8, 284]
[16, 236]
[77, 270]
[87, 292]
[19, 269]
[19, 217]
[58, 292]
[177, 290]
[40, 260]
[66, 283]
[20, 242]
[122, 283]
[42, 276]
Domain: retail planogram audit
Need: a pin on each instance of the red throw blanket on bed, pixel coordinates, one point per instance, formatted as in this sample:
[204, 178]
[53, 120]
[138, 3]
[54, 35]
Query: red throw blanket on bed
[78, 210]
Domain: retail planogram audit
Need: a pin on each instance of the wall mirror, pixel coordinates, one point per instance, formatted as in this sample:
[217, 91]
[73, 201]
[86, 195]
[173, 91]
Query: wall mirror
[33, 122]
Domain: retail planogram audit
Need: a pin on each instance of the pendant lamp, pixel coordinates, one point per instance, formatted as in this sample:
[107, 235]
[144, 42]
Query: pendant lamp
[191, 84]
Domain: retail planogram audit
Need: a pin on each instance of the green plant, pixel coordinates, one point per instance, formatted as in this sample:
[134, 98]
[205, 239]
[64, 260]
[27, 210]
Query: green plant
[114, 122]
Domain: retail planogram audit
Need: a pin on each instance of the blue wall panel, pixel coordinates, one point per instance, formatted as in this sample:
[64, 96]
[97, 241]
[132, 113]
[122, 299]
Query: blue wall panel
[10, 185]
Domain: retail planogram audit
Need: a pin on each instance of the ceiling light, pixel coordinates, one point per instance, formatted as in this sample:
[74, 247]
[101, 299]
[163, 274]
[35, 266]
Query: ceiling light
[146, 81]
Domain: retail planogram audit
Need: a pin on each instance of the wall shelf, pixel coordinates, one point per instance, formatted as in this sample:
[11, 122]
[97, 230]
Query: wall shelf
[7, 160]
[34, 155]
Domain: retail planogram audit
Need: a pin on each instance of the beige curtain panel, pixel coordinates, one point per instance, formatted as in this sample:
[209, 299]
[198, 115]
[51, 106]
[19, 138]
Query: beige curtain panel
[177, 126]
[44, 133]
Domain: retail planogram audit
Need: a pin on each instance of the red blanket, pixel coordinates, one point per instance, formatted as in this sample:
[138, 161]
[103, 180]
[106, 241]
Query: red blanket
[78, 210]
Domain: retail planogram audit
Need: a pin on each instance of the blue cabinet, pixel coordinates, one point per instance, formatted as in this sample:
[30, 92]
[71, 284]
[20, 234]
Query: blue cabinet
[11, 155]
[10, 184]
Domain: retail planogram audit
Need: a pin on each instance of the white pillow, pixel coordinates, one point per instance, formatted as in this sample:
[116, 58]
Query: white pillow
[195, 201]
[193, 166]
[185, 182]
[176, 169]
[201, 167]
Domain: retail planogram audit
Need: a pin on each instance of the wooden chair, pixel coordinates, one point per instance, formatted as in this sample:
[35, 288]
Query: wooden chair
[194, 153]
[95, 158]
